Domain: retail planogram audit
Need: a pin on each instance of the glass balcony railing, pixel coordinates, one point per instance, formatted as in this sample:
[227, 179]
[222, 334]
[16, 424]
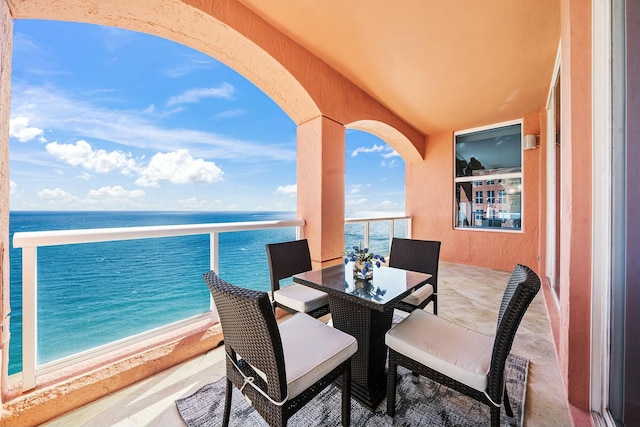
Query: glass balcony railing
[375, 233]
[90, 292]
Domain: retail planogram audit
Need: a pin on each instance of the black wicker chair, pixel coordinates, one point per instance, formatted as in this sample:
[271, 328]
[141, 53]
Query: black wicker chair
[279, 368]
[457, 357]
[422, 256]
[285, 260]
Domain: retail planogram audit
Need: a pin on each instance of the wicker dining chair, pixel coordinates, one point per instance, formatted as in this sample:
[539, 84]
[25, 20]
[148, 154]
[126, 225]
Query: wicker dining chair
[279, 368]
[285, 260]
[422, 256]
[457, 357]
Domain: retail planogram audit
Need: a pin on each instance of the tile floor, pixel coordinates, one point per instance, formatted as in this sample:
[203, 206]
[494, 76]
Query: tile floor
[468, 295]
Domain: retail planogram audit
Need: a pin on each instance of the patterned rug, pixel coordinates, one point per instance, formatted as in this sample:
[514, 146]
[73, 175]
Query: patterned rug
[423, 404]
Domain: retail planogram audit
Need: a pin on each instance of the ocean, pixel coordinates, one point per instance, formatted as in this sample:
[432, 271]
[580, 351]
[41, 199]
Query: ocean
[92, 294]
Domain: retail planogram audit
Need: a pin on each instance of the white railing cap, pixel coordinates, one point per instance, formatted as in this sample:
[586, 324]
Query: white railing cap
[93, 235]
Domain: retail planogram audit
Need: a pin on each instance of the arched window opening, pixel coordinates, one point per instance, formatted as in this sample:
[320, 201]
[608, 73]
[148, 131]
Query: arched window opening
[375, 187]
[113, 128]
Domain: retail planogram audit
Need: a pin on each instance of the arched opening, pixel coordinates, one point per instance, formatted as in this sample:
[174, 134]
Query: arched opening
[374, 176]
[129, 129]
[375, 185]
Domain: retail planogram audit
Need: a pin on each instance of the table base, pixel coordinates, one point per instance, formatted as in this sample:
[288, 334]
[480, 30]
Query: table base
[369, 398]
[368, 364]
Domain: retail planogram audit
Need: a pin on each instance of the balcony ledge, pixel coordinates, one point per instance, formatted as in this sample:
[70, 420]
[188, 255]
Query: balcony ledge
[63, 391]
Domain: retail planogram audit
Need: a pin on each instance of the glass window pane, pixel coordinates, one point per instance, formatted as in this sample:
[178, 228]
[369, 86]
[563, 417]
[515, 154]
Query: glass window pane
[491, 151]
[500, 209]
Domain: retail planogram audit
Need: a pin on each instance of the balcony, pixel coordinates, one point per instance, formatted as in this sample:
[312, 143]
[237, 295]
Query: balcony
[476, 289]
[36, 376]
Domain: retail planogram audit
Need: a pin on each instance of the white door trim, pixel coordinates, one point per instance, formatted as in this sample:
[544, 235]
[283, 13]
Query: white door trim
[552, 221]
[601, 208]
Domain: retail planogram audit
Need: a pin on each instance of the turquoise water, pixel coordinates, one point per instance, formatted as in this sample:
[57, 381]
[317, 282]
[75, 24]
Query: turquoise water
[92, 294]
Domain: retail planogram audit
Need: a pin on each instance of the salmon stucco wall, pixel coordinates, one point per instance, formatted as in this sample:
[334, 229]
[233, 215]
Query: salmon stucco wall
[576, 205]
[6, 36]
[431, 204]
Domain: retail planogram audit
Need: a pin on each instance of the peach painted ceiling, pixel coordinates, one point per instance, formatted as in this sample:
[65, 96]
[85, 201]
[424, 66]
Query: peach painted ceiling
[439, 64]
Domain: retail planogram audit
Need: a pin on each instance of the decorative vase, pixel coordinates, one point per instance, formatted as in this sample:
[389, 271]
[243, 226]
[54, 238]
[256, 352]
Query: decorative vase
[357, 271]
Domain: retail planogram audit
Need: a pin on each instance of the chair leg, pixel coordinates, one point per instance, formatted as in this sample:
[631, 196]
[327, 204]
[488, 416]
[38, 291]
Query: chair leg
[227, 403]
[435, 304]
[507, 408]
[391, 386]
[346, 396]
[495, 416]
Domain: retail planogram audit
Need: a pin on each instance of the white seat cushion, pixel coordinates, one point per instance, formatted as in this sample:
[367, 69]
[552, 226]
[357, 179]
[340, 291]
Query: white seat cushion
[301, 298]
[419, 295]
[446, 347]
[312, 350]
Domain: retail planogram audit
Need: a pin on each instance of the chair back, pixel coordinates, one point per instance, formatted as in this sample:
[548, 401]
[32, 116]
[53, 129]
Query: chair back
[416, 255]
[523, 286]
[287, 259]
[250, 333]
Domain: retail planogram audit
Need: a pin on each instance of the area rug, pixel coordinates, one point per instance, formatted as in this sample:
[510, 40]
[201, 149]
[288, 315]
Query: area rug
[424, 404]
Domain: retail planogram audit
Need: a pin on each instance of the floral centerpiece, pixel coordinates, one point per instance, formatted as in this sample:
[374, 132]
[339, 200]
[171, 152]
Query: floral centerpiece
[363, 261]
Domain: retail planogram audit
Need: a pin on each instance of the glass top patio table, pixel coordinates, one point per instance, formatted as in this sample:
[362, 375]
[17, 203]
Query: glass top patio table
[364, 309]
[387, 286]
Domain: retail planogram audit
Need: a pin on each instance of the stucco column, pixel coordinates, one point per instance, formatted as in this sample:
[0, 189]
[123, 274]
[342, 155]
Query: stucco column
[6, 38]
[576, 207]
[321, 188]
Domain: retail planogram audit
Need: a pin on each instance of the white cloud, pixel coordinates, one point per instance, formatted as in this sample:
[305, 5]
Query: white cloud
[356, 188]
[179, 167]
[291, 189]
[392, 153]
[24, 42]
[188, 65]
[387, 205]
[356, 202]
[82, 154]
[116, 192]
[192, 96]
[13, 187]
[55, 111]
[19, 128]
[229, 114]
[376, 148]
[114, 38]
[84, 176]
[151, 110]
[193, 204]
[57, 195]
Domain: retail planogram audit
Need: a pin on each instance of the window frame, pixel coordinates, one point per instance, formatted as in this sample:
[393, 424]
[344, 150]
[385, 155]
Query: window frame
[502, 178]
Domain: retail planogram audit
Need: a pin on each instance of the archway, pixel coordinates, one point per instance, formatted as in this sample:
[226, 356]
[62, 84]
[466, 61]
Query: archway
[178, 21]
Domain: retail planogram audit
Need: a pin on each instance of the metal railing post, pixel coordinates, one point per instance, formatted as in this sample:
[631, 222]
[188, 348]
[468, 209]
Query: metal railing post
[391, 231]
[29, 317]
[366, 234]
[214, 240]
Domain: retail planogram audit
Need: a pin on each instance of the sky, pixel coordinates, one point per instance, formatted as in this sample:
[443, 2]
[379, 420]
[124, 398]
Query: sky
[108, 119]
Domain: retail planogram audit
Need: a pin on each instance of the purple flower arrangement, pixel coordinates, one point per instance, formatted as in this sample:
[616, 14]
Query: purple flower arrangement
[363, 260]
